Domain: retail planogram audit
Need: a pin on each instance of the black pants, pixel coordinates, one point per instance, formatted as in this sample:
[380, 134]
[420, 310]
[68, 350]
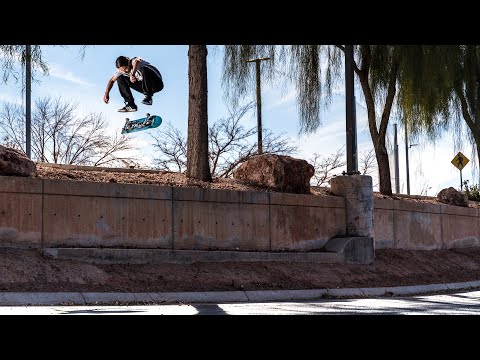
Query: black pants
[150, 84]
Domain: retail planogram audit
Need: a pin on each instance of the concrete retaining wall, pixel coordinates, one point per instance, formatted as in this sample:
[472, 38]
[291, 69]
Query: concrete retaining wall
[422, 226]
[39, 213]
[65, 213]
[21, 207]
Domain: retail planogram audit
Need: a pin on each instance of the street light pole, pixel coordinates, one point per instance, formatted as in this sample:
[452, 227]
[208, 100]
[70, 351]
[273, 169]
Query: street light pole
[395, 156]
[352, 162]
[259, 104]
[28, 94]
[407, 146]
[406, 159]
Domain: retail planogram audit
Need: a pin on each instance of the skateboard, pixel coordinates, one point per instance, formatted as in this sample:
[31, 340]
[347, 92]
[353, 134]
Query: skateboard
[148, 122]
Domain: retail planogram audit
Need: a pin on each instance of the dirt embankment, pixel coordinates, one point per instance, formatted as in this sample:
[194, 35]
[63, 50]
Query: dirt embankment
[27, 270]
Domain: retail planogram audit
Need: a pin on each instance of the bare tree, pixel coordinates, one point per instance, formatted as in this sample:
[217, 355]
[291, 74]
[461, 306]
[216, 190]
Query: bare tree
[60, 136]
[12, 123]
[366, 164]
[229, 144]
[422, 181]
[227, 136]
[325, 166]
[424, 187]
[272, 144]
[172, 145]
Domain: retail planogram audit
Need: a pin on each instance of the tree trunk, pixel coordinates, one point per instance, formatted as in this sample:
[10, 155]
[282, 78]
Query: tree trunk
[379, 135]
[476, 138]
[197, 146]
[381, 154]
[385, 180]
[470, 120]
[477, 145]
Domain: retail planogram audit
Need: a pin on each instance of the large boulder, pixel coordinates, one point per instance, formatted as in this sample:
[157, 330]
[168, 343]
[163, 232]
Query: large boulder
[15, 163]
[281, 172]
[452, 197]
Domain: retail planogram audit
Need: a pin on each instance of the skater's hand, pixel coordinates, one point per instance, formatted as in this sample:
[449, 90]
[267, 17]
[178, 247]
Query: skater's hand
[133, 78]
[106, 98]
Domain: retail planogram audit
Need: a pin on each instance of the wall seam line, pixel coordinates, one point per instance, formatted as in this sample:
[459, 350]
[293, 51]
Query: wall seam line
[173, 222]
[394, 232]
[444, 245]
[269, 223]
[42, 232]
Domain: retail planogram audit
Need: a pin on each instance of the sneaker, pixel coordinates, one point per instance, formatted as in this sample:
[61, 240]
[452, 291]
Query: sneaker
[148, 100]
[128, 108]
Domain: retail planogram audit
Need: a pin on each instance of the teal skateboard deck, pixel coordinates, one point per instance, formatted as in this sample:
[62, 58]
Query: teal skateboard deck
[148, 122]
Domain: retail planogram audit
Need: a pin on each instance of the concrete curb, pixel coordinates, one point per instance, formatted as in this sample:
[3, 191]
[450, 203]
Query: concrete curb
[95, 298]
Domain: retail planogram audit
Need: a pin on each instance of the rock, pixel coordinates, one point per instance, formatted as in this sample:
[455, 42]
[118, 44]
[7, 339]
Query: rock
[281, 172]
[15, 163]
[452, 197]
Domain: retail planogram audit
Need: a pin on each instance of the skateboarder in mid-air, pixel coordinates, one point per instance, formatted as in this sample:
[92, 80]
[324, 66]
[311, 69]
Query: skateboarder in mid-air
[137, 74]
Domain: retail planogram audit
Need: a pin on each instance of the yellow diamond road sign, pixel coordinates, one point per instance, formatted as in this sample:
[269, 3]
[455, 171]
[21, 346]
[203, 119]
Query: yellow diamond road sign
[460, 161]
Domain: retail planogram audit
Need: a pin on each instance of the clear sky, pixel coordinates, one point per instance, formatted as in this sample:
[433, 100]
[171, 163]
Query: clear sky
[84, 81]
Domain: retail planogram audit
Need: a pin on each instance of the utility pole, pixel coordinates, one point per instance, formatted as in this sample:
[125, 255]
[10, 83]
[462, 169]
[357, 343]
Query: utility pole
[259, 104]
[28, 94]
[407, 146]
[352, 162]
[406, 158]
[395, 156]
[355, 154]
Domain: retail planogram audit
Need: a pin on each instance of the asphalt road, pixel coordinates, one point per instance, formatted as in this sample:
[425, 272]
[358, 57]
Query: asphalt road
[459, 303]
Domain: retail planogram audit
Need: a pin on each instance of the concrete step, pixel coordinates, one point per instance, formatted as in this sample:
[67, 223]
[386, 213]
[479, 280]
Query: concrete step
[156, 256]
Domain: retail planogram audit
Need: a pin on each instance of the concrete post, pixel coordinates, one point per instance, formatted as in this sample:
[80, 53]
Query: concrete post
[358, 193]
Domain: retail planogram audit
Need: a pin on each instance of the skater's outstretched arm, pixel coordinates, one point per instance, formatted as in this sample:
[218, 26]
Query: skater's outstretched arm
[110, 83]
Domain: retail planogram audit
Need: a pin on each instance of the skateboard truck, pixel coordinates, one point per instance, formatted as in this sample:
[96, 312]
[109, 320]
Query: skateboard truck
[125, 127]
[148, 121]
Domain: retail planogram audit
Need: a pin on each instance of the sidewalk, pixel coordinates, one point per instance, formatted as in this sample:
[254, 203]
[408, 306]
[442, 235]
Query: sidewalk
[117, 298]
